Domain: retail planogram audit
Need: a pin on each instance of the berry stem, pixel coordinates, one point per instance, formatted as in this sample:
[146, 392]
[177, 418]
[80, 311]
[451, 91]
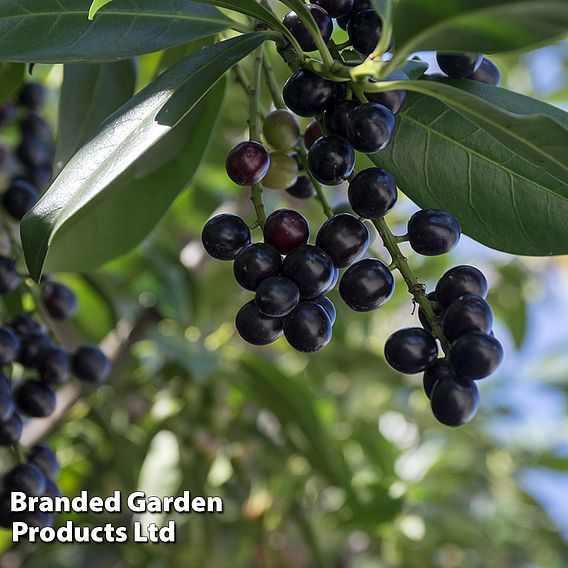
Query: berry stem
[320, 195]
[386, 34]
[272, 84]
[417, 289]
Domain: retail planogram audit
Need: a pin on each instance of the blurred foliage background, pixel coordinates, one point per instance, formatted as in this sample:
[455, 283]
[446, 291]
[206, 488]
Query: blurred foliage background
[326, 460]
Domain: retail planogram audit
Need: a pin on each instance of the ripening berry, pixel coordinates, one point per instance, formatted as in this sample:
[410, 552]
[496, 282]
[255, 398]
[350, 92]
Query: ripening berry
[366, 285]
[476, 355]
[256, 328]
[225, 235]
[11, 430]
[9, 277]
[487, 73]
[35, 399]
[286, 230]
[364, 30]
[277, 296]
[90, 364]
[311, 269]
[411, 350]
[302, 189]
[432, 232]
[467, 313]
[344, 238]
[312, 133]
[459, 65]
[308, 328]
[255, 263]
[304, 37]
[9, 346]
[59, 300]
[455, 401]
[370, 127]
[308, 94]
[42, 457]
[247, 163]
[282, 172]
[336, 117]
[459, 281]
[281, 130]
[27, 478]
[372, 193]
[331, 160]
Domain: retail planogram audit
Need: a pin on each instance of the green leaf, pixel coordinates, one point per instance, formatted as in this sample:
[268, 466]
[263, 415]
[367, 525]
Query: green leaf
[96, 6]
[11, 78]
[90, 92]
[477, 25]
[441, 159]
[122, 140]
[62, 33]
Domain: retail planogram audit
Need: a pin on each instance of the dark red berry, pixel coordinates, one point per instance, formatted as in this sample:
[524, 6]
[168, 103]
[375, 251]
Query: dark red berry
[297, 28]
[27, 478]
[364, 30]
[32, 96]
[59, 300]
[371, 127]
[256, 263]
[331, 160]
[366, 285]
[459, 65]
[411, 350]
[441, 369]
[311, 269]
[432, 232]
[336, 8]
[19, 198]
[6, 400]
[9, 346]
[9, 277]
[459, 281]
[35, 399]
[335, 119]
[55, 366]
[302, 189]
[286, 230]
[277, 296]
[312, 133]
[476, 355]
[90, 364]
[42, 457]
[467, 313]
[247, 163]
[224, 236]
[256, 328]
[11, 430]
[328, 306]
[344, 238]
[308, 94]
[33, 348]
[455, 401]
[308, 327]
[487, 73]
[372, 193]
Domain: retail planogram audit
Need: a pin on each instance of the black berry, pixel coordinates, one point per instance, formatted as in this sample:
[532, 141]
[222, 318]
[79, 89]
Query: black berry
[34, 125]
[51, 489]
[281, 130]
[9, 346]
[335, 119]
[476, 355]
[19, 198]
[372, 193]
[23, 324]
[331, 160]
[59, 300]
[27, 478]
[224, 236]
[370, 127]
[32, 349]
[247, 163]
[344, 238]
[441, 369]
[255, 263]
[454, 401]
[459, 65]
[467, 313]
[366, 285]
[411, 350]
[6, 401]
[393, 100]
[9, 277]
[432, 232]
[39, 176]
[286, 230]
[293, 22]
[358, 6]
[311, 269]
[364, 30]
[335, 8]
[256, 328]
[328, 306]
[277, 296]
[11, 430]
[459, 281]
[302, 189]
[55, 366]
[32, 96]
[308, 327]
[35, 399]
[487, 73]
[308, 94]
[42, 457]
[90, 364]
[7, 113]
[34, 152]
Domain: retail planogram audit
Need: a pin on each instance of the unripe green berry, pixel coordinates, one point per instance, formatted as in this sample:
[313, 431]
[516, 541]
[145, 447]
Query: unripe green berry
[282, 173]
[281, 130]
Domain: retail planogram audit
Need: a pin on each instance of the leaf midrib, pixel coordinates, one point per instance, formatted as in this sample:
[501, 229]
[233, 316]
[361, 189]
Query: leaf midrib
[467, 149]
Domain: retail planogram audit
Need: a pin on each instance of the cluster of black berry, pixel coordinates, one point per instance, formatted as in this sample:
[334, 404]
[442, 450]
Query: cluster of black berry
[36, 478]
[24, 341]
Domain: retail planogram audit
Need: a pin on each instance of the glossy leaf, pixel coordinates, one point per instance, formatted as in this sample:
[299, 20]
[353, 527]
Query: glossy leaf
[441, 159]
[478, 25]
[90, 92]
[124, 138]
[62, 32]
